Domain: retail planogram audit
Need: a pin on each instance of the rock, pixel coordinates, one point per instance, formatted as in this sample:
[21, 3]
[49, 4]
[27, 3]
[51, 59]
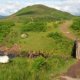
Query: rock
[24, 35]
[4, 59]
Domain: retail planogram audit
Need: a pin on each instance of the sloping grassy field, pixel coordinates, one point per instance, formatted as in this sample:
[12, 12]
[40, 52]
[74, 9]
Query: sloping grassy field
[41, 24]
[35, 69]
[42, 36]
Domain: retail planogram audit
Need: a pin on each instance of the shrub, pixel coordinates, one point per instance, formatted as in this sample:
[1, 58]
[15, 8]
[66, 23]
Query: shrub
[55, 36]
[34, 26]
[76, 25]
[40, 64]
[5, 29]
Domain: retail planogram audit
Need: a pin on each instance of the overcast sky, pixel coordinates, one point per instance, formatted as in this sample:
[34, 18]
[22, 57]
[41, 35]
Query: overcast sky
[8, 7]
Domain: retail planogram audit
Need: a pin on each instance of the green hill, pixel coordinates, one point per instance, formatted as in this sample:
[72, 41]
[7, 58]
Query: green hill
[38, 22]
[36, 30]
[38, 10]
[43, 11]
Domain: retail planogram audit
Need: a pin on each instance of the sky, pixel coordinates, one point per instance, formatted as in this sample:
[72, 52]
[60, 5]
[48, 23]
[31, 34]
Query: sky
[8, 7]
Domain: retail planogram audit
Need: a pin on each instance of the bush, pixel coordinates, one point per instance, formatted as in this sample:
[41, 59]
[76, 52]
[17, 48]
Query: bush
[55, 36]
[5, 29]
[76, 25]
[34, 26]
[40, 64]
[61, 44]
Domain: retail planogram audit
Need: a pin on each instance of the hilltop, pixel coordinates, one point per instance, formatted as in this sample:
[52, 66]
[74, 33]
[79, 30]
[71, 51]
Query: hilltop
[38, 10]
[35, 11]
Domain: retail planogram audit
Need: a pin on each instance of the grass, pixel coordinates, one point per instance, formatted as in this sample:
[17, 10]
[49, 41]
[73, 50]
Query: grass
[35, 27]
[38, 39]
[42, 26]
[41, 10]
[75, 28]
[34, 69]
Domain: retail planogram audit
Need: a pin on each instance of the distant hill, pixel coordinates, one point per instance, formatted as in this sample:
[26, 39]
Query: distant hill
[41, 10]
[2, 17]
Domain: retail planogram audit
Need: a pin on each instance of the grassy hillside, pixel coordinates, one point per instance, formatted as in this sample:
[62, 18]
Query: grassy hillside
[41, 10]
[35, 69]
[37, 22]
[40, 25]
[76, 27]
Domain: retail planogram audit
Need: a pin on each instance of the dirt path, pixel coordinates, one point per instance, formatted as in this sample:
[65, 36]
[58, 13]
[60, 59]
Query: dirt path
[68, 78]
[73, 72]
[64, 28]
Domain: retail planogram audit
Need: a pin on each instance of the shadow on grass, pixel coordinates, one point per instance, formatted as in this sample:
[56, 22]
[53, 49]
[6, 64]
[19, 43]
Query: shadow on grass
[74, 50]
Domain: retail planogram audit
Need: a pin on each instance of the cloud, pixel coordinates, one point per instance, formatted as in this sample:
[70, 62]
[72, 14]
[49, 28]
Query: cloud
[8, 7]
[71, 6]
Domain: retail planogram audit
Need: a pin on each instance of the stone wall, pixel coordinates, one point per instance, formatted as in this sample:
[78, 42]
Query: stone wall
[78, 49]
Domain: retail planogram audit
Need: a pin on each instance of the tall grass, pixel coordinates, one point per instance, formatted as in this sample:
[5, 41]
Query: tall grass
[34, 69]
[75, 27]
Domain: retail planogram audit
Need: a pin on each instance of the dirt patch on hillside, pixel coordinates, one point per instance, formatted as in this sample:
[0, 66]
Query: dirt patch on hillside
[64, 28]
[14, 49]
[73, 72]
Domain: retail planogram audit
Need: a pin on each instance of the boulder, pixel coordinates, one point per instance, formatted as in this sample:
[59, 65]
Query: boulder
[4, 59]
[24, 35]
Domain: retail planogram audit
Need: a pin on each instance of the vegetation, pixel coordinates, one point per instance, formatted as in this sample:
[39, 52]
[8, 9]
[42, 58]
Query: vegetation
[34, 69]
[41, 10]
[56, 36]
[76, 26]
[34, 26]
[41, 23]
[5, 29]
[61, 42]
